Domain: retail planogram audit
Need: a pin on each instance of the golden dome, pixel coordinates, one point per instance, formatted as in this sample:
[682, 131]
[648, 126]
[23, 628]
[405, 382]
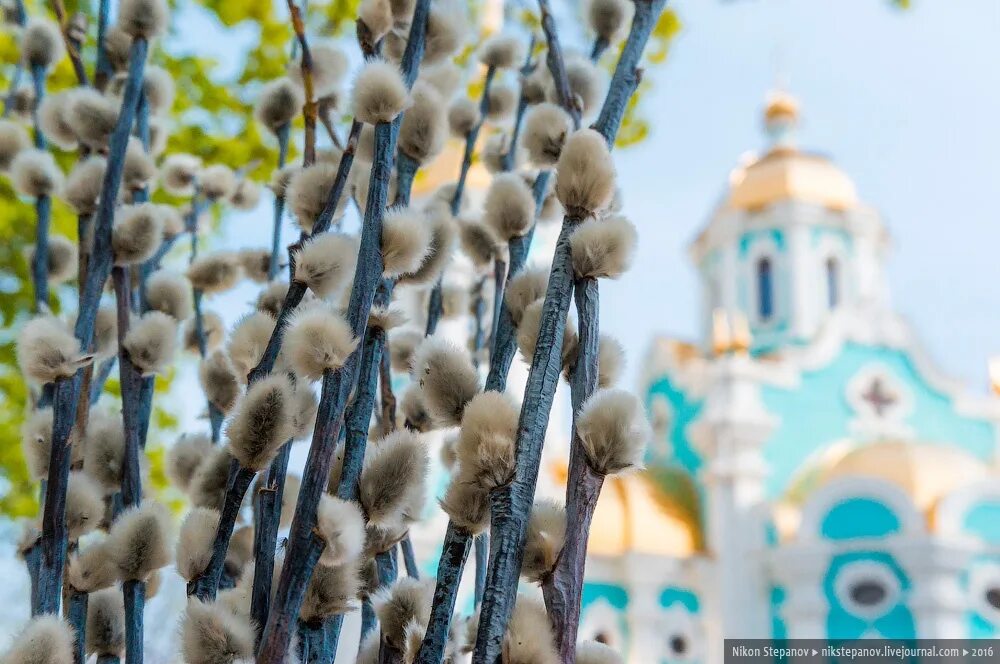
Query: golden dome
[653, 512]
[781, 104]
[926, 472]
[784, 173]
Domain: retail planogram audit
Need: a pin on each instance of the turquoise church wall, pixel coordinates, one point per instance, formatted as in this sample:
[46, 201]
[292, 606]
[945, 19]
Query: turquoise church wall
[816, 414]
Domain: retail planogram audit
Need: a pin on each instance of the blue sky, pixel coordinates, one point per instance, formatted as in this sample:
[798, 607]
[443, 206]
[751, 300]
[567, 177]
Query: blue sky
[905, 102]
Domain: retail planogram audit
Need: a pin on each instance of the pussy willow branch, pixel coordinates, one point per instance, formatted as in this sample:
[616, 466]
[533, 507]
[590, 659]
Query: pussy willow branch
[507, 163]
[304, 546]
[435, 304]
[557, 65]
[76, 616]
[309, 107]
[279, 203]
[66, 392]
[74, 31]
[21, 18]
[102, 67]
[206, 585]
[563, 589]
[511, 505]
[457, 540]
[43, 205]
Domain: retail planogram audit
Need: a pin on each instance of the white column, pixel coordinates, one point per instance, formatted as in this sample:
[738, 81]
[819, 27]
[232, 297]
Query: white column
[731, 433]
[802, 299]
[937, 599]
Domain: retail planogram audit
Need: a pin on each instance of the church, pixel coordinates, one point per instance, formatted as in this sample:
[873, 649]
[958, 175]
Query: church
[812, 473]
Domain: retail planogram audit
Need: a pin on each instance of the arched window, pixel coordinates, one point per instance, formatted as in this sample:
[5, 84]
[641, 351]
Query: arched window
[832, 282]
[765, 289]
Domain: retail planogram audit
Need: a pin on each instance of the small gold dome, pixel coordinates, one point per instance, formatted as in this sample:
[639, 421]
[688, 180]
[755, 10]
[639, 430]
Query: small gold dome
[654, 512]
[787, 174]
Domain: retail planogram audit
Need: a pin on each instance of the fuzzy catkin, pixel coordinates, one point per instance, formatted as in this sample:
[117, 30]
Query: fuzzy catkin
[215, 273]
[467, 504]
[246, 195]
[509, 208]
[529, 637]
[407, 599]
[53, 118]
[83, 185]
[270, 299]
[379, 93]
[184, 457]
[104, 452]
[48, 351]
[308, 191]
[152, 342]
[545, 539]
[139, 168]
[585, 173]
[424, 127]
[405, 242]
[44, 640]
[213, 331]
[208, 483]
[586, 84]
[137, 233]
[13, 139]
[170, 293]
[217, 182]
[36, 442]
[443, 236]
[194, 542]
[613, 431]
[91, 568]
[501, 102]
[376, 15]
[446, 26]
[485, 446]
[603, 248]
[105, 624]
[502, 51]
[546, 127]
[139, 541]
[261, 422]
[479, 243]
[342, 527]
[248, 340]
[318, 339]
[212, 634]
[35, 173]
[332, 590]
[392, 485]
[84, 505]
[92, 116]
[179, 174]
[143, 18]
[447, 378]
[463, 116]
[62, 259]
[329, 67]
[41, 43]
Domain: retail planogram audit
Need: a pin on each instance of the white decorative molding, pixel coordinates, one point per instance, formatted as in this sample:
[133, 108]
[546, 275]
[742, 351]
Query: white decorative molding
[828, 496]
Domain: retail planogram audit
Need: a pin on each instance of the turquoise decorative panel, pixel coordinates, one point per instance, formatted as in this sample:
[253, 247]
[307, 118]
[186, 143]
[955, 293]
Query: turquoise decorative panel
[983, 521]
[857, 518]
[867, 593]
[682, 638]
[816, 413]
[681, 596]
[684, 410]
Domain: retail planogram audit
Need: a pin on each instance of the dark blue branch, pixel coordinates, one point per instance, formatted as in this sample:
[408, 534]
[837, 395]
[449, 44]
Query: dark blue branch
[279, 203]
[76, 616]
[134, 593]
[268, 513]
[454, 552]
[206, 585]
